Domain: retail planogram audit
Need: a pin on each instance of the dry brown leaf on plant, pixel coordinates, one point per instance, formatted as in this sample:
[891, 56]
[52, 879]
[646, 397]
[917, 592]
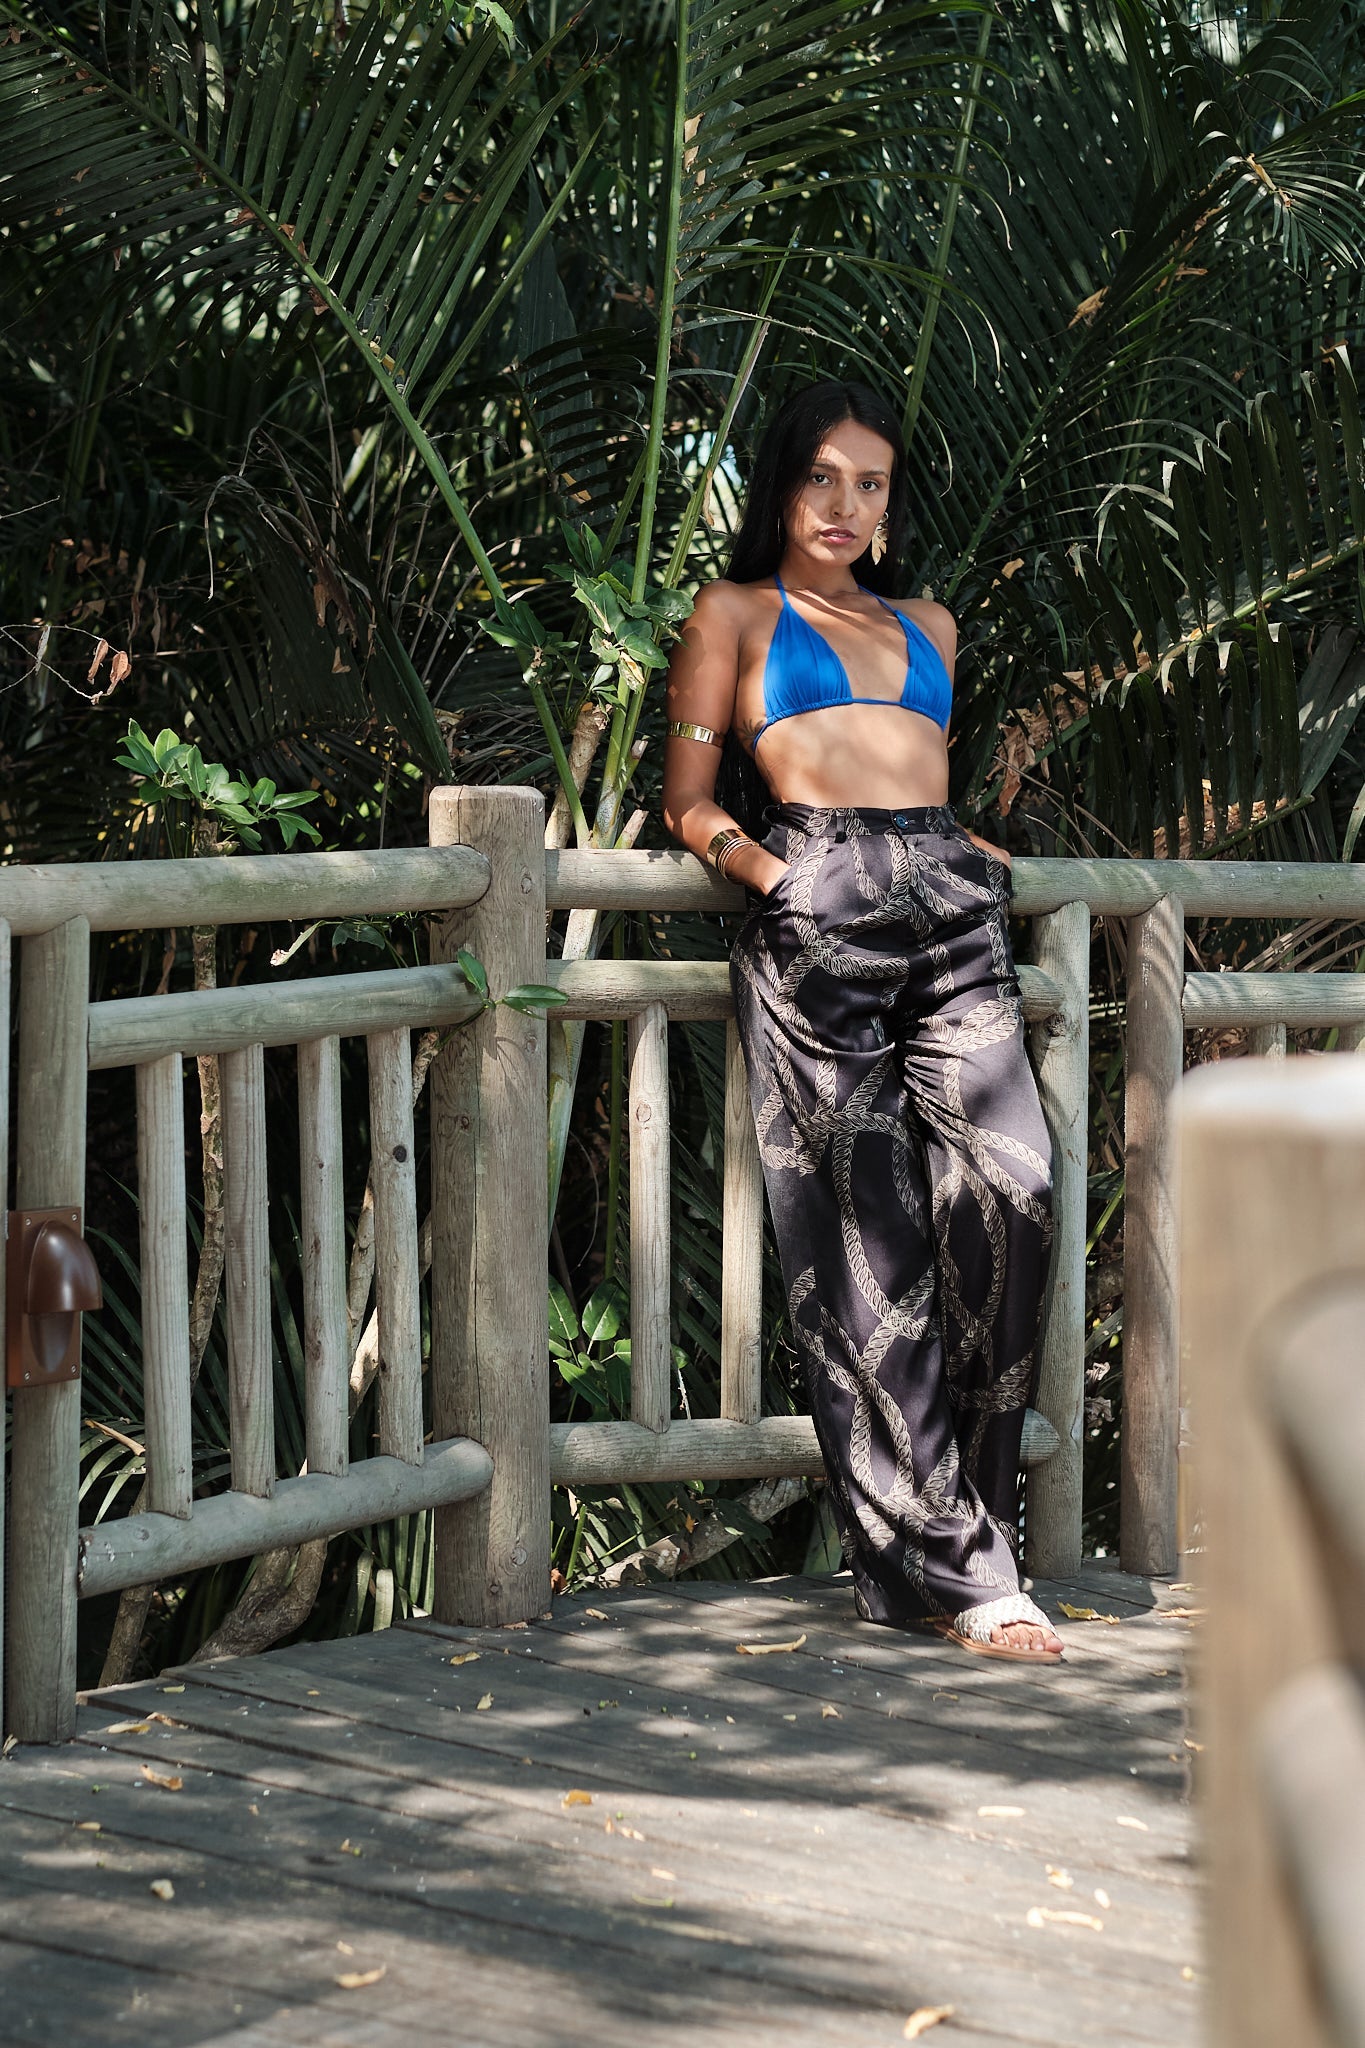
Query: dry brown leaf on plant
[924, 2017]
[356, 1980]
[166, 1784]
[768, 1649]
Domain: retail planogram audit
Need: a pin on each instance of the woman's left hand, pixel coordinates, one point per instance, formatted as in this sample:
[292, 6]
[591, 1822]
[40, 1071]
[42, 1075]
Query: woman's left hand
[996, 852]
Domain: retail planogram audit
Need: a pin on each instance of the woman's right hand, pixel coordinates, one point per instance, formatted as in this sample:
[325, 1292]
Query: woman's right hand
[774, 872]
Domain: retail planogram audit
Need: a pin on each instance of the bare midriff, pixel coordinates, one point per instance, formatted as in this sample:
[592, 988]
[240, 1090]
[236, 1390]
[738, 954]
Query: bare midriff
[856, 756]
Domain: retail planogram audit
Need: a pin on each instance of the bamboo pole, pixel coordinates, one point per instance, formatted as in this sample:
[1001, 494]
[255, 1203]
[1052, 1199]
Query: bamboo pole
[46, 1421]
[1272, 1205]
[140, 895]
[741, 1277]
[490, 1251]
[650, 1253]
[246, 1273]
[1052, 1521]
[393, 1171]
[1149, 1452]
[326, 1330]
[165, 1284]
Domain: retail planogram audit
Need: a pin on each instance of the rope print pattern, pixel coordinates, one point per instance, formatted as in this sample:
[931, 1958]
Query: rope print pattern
[907, 1165]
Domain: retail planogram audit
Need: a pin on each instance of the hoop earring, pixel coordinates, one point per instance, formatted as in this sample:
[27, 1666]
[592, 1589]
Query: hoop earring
[879, 539]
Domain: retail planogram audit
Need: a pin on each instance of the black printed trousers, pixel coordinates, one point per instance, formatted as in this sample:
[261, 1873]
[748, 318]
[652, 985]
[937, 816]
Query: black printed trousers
[907, 1166]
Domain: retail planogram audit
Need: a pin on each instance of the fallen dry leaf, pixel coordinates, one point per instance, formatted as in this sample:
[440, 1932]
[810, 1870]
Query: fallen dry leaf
[664, 1876]
[643, 1899]
[166, 1784]
[617, 1827]
[348, 1850]
[927, 2016]
[128, 1728]
[1061, 1878]
[1125, 1820]
[1188, 1974]
[576, 1799]
[161, 1888]
[313, 1693]
[467, 1657]
[595, 1613]
[999, 1812]
[89, 1827]
[1101, 1897]
[356, 1980]
[484, 1703]
[767, 1649]
[829, 1713]
[1180, 1613]
[1039, 1916]
[789, 1717]
[346, 1948]
[1088, 1614]
[1198, 1747]
[254, 1808]
[172, 1688]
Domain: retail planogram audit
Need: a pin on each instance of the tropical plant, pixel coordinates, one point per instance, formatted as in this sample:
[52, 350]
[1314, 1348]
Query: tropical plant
[378, 385]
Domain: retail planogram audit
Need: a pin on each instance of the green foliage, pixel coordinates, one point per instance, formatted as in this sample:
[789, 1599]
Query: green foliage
[173, 777]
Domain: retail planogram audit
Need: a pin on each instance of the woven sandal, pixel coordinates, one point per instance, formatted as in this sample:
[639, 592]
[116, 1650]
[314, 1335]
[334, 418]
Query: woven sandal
[972, 1629]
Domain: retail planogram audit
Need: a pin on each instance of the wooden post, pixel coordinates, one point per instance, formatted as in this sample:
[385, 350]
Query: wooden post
[1052, 1519]
[46, 1423]
[650, 1255]
[397, 1301]
[4, 1205]
[1268, 1041]
[1151, 1358]
[326, 1333]
[1272, 1203]
[246, 1272]
[1351, 1038]
[165, 1284]
[741, 1280]
[490, 1232]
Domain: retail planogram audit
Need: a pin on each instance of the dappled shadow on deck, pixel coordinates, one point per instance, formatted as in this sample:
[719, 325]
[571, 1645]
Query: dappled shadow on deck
[614, 1827]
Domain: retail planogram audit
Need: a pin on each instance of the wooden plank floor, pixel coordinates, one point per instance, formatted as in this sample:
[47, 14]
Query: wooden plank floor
[609, 1829]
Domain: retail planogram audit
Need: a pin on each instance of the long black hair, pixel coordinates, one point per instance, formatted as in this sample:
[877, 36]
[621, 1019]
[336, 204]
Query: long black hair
[786, 451]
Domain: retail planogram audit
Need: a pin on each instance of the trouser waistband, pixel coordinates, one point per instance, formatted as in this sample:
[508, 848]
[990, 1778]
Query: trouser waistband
[813, 818]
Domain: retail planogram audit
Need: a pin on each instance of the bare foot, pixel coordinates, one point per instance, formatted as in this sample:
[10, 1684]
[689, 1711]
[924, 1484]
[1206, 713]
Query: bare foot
[1027, 1635]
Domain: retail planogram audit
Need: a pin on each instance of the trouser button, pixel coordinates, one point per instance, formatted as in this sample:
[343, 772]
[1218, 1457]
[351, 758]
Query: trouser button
[902, 818]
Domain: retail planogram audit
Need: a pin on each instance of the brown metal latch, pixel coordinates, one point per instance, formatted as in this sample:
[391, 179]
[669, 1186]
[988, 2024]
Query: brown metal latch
[50, 1278]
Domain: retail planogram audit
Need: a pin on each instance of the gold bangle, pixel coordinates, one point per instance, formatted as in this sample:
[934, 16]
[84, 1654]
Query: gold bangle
[723, 844]
[682, 729]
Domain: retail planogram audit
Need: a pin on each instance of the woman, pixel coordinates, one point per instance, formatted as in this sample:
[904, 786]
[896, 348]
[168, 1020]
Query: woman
[904, 1150]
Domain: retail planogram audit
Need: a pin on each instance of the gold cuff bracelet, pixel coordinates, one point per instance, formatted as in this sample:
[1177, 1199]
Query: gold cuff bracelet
[723, 844]
[682, 729]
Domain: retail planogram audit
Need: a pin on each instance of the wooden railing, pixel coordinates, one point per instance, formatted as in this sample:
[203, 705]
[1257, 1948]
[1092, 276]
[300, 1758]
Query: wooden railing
[1273, 1310]
[487, 883]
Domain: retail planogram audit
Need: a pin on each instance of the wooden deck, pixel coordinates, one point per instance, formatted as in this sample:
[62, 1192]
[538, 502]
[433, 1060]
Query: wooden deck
[610, 1829]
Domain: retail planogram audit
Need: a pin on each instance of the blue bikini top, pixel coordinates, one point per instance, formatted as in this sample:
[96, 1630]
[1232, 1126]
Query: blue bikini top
[802, 672]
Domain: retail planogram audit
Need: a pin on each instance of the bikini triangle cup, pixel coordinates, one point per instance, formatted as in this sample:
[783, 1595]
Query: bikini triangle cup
[802, 672]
